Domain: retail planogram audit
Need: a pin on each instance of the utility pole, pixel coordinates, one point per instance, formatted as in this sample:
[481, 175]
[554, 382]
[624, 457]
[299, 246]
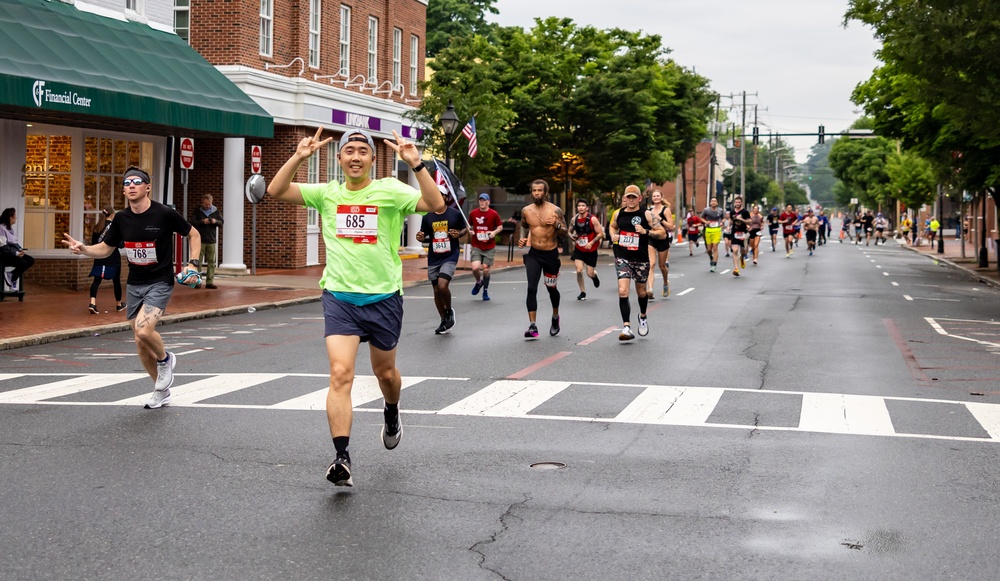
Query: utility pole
[715, 137]
[743, 149]
[755, 145]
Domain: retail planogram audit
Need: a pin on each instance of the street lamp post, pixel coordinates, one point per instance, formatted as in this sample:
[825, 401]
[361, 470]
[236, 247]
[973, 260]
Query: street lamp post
[940, 219]
[449, 124]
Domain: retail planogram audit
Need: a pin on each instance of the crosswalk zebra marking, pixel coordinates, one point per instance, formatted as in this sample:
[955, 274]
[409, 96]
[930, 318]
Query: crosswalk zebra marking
[851, 414]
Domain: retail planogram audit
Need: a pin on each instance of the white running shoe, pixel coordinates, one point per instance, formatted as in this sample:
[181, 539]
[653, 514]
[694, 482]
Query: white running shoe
[626, 334]
[643, 327]
[160, 398]
[165, 373]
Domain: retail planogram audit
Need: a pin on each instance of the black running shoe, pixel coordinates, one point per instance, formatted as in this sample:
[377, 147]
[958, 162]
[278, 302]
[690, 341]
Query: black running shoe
[554, 329]
[449, 320]
[532, 332]
[339, 473]
[442, 328]
[581, 297]
[597, 281]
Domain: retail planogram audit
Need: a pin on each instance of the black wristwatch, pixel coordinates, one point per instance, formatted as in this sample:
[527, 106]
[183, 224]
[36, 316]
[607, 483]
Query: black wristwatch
[419, 167]
[195, 262]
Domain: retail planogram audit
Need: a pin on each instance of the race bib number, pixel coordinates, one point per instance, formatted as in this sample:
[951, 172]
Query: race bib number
[551, 280]
[484, 236]
[740, 235]
[583, 241]
[140, 253]
[440, 243]
[628, 240]
[359, 223]
[714, 224]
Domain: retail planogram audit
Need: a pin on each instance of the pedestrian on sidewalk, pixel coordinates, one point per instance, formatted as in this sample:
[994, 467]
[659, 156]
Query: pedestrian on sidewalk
[207, 219]
[13, 253]
[146, 229]
[443, 230]
[107, 268]
[362, 220]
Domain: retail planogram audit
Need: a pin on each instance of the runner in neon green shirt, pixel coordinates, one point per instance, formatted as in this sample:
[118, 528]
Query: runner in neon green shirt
[362, 282]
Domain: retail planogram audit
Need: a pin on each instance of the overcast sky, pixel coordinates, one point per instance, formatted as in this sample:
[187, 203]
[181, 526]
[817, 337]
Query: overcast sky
[795, 54]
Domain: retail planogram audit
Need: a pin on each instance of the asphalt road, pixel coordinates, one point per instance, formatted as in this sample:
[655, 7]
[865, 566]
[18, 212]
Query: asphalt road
[825, 417]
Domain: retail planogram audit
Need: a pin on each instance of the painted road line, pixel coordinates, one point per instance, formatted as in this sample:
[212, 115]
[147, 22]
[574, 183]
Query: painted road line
[506, 398]
[885, 274]
[593, 338]
[210, 387]
[937, 327]
[364, 390]
[67, 387]
[725, 271]
[916, 371]
[650, 406]
[908, 297]
[988, 415]
[533, 368]
[845, 414]
[685, 291]
[894, 283]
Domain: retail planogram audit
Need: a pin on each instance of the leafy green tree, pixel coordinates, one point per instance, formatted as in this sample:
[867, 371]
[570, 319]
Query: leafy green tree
[937, 90]
[861, 165]
[795, 195]
[819, 175]
[610, 98]
[452, 19]
[911, 179]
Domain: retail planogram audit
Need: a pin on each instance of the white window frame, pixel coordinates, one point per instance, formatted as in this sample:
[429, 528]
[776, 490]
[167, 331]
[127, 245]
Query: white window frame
[183, 6]
[397, 58]
[266, 27]
[414, 60]
[345, 41]
[315, 28]
[137, 6]
[312, 177]
[372, 51]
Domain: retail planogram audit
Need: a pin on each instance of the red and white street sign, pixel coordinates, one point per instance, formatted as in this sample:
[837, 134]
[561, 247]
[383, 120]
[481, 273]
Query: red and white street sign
[255, 159]
[187, 153]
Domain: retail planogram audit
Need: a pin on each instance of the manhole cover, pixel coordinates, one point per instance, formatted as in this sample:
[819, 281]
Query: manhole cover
[548, 465]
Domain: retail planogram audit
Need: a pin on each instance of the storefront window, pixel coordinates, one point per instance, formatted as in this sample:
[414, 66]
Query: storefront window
[47, 190]
[52, 191]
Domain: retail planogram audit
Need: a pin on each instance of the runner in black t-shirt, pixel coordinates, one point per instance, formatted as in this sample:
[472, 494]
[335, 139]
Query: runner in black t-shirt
[740, 219]
[631, 228]
[773, 225]
[146, 229]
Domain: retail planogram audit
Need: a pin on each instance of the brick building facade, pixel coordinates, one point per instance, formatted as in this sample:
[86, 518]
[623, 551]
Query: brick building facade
[304, 84]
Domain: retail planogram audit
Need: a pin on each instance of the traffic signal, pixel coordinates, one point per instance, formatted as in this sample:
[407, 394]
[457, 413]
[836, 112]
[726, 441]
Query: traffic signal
[822, 134]
[756, 135]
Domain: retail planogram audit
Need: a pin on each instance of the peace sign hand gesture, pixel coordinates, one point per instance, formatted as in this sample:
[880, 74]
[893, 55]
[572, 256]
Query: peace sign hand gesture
[309, 145]
[406, 150]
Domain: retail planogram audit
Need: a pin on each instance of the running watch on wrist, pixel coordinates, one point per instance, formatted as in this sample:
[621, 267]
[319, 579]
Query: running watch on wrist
[419, 167]
[195, 262]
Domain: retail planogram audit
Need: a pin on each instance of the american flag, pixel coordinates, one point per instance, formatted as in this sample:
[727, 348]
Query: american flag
[470, 133]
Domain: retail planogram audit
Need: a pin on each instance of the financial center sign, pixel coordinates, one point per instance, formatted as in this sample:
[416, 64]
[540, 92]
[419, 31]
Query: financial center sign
[43, 95]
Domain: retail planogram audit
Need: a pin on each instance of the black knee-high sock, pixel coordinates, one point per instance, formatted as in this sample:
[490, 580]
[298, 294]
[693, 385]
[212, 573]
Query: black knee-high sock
[643, 301]
[625, 308]
[486, 281]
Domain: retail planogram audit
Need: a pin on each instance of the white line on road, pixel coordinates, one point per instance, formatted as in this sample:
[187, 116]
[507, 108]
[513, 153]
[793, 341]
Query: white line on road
[908, 297]
[685, 291]
[885, 274]
[894, 283]
[937, 327]
[725, 271]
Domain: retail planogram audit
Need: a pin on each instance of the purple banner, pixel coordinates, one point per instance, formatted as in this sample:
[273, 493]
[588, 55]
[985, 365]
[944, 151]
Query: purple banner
[412, 132]
[357, 120]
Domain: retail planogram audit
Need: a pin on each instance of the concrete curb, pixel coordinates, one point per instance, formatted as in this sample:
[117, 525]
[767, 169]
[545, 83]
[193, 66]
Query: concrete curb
[972, 273]
[53, 336]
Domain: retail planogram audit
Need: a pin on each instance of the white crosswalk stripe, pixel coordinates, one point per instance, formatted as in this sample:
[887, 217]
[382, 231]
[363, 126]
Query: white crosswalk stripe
[832, 413]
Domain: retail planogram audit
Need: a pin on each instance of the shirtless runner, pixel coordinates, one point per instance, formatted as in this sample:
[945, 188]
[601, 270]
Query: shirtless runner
[541, 221]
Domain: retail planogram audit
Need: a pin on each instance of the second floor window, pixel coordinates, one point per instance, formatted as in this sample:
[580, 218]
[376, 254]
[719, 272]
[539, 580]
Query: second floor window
[315, 9]
[135, 6]
[414, 61]
[397, 58]
[372, 50]
[266, 27]
[345, 40]
[182, 19]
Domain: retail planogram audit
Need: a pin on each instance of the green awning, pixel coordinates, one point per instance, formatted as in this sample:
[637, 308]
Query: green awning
[60, 60]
